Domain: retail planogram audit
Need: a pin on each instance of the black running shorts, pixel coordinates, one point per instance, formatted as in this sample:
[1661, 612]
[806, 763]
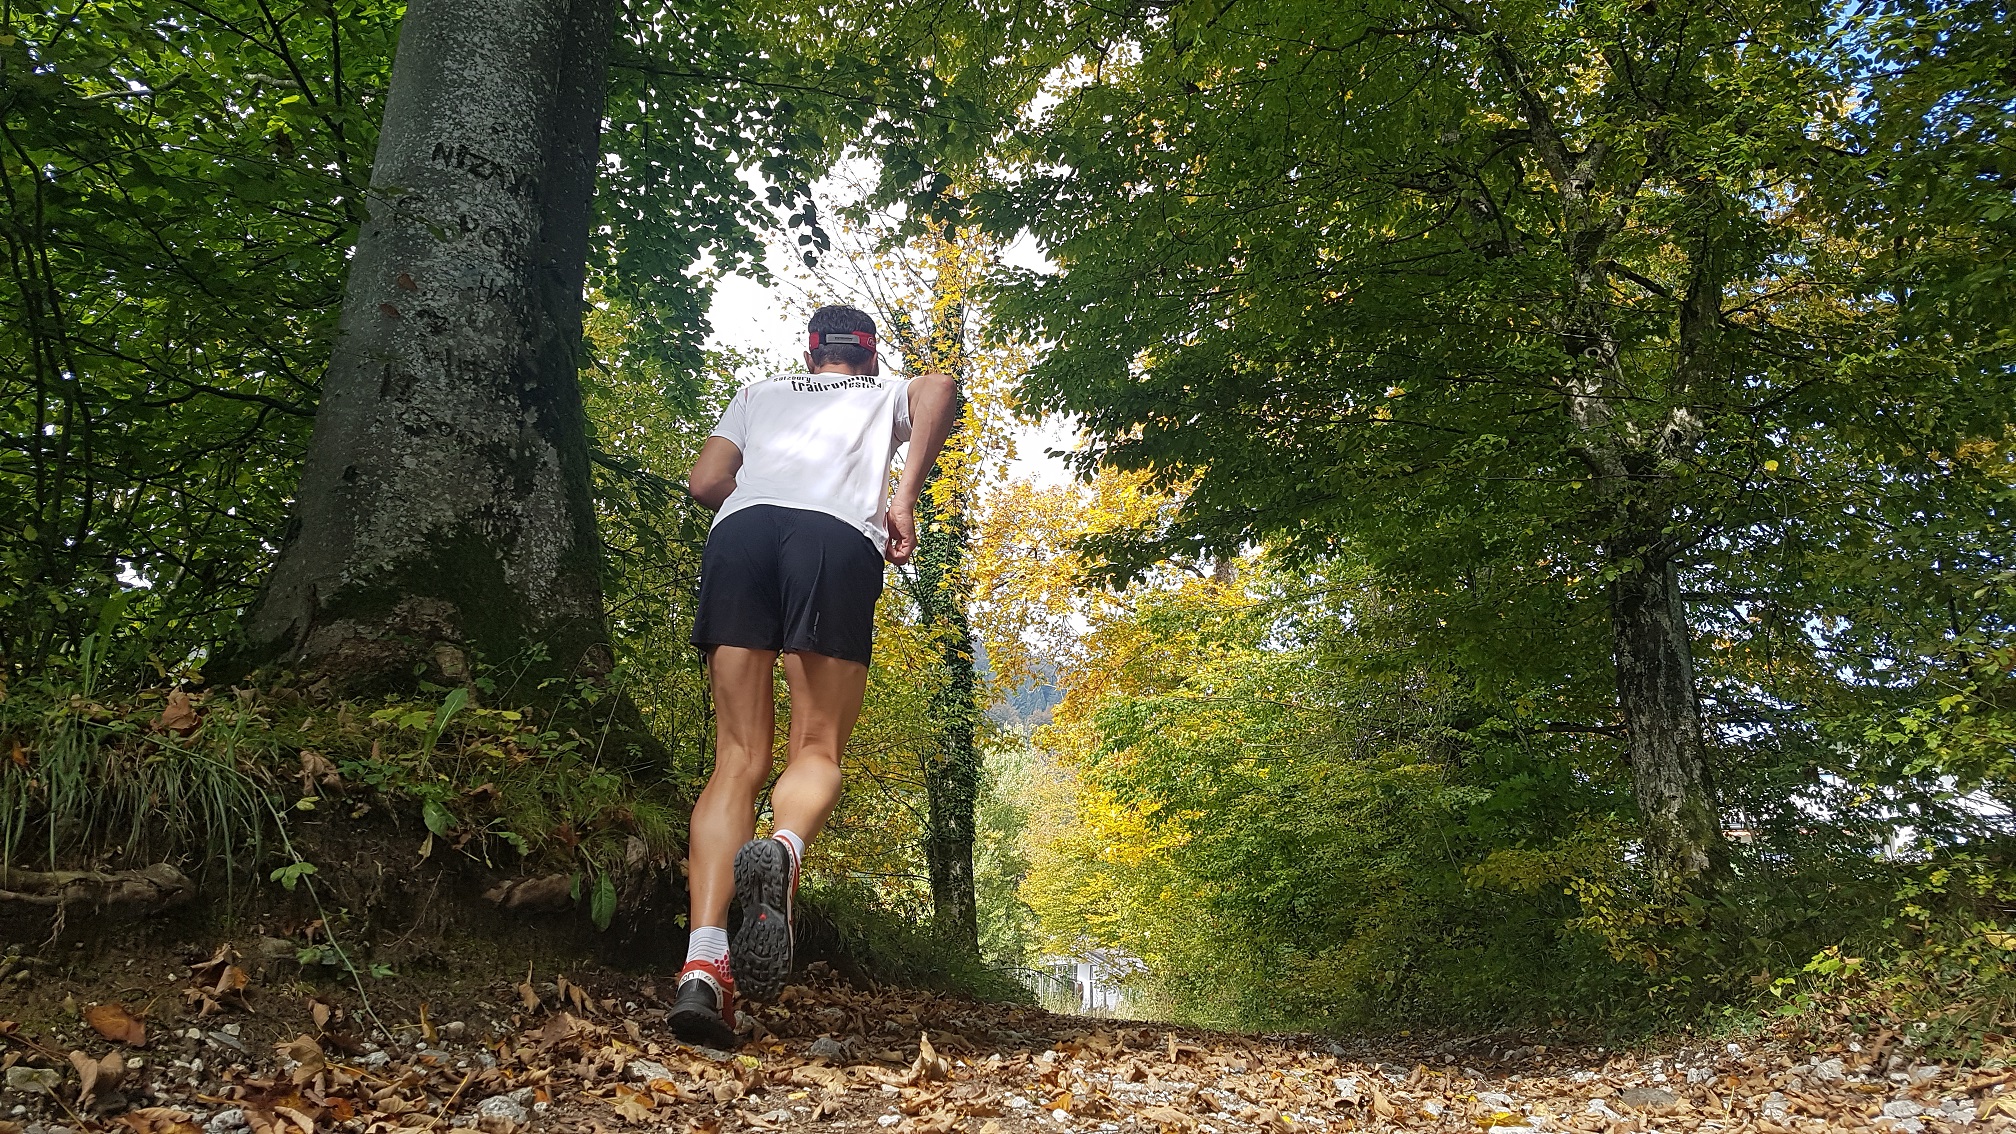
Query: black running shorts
[789, 579]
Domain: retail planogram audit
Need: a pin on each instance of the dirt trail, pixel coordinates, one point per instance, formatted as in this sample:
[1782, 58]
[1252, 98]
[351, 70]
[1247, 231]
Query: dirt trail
[219, 1052]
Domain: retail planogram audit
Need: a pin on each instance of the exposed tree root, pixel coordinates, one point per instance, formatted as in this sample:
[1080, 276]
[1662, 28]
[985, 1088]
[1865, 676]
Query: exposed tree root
[125, 894]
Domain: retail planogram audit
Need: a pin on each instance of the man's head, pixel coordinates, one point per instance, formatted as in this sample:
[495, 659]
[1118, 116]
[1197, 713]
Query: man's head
[838, 321]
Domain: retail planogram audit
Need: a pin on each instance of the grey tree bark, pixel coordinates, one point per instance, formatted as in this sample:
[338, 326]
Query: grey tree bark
[1653, 656]
[445, 505]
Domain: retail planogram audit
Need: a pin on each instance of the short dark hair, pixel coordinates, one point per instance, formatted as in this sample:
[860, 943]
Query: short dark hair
[840, 318]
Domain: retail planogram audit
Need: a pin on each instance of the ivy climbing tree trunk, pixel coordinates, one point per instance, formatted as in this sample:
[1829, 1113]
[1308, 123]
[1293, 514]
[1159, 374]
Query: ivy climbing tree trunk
[445, 506]
[952, 763]
[942, 588]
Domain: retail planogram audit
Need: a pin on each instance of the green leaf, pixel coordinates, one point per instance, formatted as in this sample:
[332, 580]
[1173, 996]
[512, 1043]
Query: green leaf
[438, 818]
[602, 904]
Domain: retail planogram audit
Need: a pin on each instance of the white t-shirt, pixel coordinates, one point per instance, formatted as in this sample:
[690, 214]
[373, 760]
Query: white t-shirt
[822, 442]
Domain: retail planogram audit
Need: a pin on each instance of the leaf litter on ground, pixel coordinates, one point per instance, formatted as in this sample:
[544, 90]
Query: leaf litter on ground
[592, 1056]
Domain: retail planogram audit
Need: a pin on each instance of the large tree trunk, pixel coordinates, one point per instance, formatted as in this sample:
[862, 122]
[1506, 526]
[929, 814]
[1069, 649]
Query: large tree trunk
[1624, 447]
[1654, 659]
[445, 505]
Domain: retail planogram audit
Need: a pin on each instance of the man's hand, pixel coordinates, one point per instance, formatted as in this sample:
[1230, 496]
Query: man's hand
[902, 522]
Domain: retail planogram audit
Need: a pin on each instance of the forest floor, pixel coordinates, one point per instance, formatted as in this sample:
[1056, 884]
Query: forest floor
[219, 1044]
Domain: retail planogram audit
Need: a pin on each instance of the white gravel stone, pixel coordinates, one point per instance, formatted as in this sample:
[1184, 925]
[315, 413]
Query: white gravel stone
[1958, 1111]
[505, 1108]
[645, 1071]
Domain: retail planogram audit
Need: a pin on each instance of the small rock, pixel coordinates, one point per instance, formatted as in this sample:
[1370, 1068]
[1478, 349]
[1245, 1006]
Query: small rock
[1902, 1108]
[1602, 1110]
[1646, 1098]
[503, 1108]
[645, 1071]
[1829, 1071]
[1775, 1105]
[1960, 1112]
[744, 1021]
[779, 1117]
[452, 1030]
[1498, 1100]
[34, 1080]
[227, 1122]
[228, 1039]
[375, 1059]
[889, 1120]
[829, 1049]
[1925, 1073]
[270, 949]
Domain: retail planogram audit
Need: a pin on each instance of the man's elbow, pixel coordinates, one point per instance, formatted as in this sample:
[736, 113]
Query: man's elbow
[709, 492]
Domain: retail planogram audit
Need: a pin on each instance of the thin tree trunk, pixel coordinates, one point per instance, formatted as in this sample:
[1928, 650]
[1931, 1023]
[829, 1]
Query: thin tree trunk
[1655, 686]
[445, 505]
[952, 763]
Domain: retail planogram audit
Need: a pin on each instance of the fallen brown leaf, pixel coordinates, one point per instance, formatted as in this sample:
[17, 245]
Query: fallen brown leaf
[1168, 1119]
[160, 1120]
[308, 1054]
[178, 716]
[116, 1024]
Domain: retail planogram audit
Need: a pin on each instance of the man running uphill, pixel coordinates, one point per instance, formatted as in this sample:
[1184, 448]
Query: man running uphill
[798, 473]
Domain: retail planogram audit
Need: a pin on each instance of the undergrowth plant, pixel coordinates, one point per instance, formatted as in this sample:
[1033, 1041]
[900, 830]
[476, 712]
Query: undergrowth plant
[208, 779]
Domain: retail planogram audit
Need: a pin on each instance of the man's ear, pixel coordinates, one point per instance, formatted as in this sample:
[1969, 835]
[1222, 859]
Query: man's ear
[874, 364]
[808, 362]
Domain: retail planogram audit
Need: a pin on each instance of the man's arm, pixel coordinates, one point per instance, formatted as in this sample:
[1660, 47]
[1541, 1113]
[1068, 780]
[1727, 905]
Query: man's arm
[713, 475]
[934, 400]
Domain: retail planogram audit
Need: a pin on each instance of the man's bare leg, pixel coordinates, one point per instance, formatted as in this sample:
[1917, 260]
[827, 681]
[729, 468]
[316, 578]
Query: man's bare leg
[826, 698]
[826, 695]
[745, 732]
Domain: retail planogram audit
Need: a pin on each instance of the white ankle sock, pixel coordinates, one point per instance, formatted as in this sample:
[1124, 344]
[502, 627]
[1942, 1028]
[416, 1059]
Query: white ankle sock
[707, 943]
[797, 847]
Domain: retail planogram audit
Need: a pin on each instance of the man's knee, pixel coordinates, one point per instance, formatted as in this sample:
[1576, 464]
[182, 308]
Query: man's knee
[742, 767]
[817, 761]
